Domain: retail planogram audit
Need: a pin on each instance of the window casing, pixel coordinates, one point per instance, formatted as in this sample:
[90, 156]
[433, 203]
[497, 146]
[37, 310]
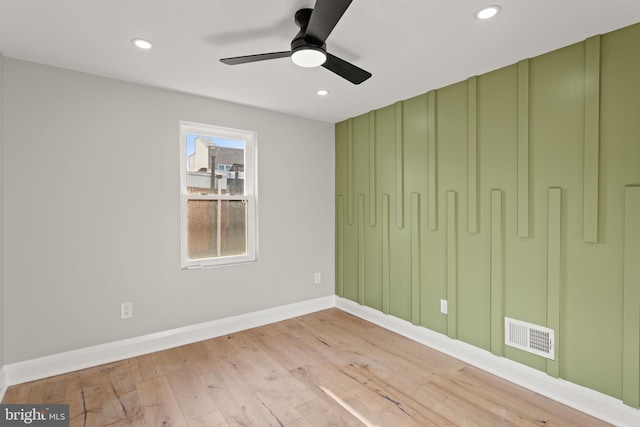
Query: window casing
[218, 171]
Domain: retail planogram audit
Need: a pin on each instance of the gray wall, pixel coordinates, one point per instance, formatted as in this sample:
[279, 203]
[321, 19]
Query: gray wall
[92, 211]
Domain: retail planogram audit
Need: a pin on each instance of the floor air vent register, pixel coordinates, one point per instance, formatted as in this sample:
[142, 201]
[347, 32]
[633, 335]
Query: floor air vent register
[529, 337]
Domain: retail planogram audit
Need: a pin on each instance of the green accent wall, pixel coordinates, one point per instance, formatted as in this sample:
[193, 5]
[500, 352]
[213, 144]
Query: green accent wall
[513, 193]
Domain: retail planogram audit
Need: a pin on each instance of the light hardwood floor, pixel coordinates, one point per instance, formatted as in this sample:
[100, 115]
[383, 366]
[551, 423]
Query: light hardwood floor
[324, 369]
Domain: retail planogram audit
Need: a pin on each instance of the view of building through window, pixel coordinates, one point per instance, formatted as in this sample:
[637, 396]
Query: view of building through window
[223, 157]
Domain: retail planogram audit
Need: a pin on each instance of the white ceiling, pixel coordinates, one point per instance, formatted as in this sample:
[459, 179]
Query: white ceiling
[410, 46]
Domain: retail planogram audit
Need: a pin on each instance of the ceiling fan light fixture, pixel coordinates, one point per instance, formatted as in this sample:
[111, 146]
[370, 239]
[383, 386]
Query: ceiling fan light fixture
[488, 12]
[308, 57]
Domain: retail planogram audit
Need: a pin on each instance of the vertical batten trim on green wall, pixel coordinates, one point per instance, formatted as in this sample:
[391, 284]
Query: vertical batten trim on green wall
[372, 168]
[591, 139]
[497, 273]
[452, 264]
[399, 167]
[472, 155]
[340, 246]
[386, 253]
[631, 297]
[361, 248]
[554, 273]
[415, 258]
[432, 160]
[523, 148]
[350, 171]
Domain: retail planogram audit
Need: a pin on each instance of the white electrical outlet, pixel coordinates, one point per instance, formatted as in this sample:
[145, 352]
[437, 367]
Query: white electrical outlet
[444, 306]
[317, 279]
[126, 310]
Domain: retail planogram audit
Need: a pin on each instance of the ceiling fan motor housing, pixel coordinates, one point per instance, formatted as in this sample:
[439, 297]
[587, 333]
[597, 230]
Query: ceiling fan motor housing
[303, 41]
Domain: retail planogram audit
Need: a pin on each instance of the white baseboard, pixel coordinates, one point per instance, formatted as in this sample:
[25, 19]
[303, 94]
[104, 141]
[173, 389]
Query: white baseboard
[56, 364]
[581, 398]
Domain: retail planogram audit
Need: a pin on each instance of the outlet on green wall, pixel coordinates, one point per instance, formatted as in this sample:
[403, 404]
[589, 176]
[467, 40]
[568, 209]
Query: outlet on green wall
[509, 194]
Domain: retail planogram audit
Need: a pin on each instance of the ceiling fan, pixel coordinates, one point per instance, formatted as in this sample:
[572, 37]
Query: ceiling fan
[308, 47]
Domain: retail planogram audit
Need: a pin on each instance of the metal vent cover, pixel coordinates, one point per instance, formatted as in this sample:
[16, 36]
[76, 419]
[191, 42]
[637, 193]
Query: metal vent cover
[529, 337]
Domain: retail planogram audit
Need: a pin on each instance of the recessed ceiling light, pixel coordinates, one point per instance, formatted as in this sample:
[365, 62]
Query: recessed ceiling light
[322, 92]
[142, 43]
[488, 12]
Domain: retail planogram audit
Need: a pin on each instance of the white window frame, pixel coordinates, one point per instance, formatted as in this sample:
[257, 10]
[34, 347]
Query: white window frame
[250, 192]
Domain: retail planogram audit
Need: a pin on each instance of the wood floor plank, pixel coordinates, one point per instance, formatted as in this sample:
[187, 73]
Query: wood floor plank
[290, 351]
[327, 368]
[293, 352]
[51, 391]
[74, 397]
[159, 404]
[92, 399]
[169, 361]
[269, 383]
[201, 360]
[120, 397]
[318, 412]
[390, 389]
[16, 394]
[219, 346]
[241, 408]
[143, 367]
[214, 419]
[339, 393]
[236, 399]
[526, 403]
[192, 396]
[521, 411]
[278, 404]
[463, 408]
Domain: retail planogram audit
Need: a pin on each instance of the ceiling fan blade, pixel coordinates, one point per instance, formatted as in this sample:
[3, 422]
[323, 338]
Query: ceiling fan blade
[254, 58]
[325, 16]
[346, 70]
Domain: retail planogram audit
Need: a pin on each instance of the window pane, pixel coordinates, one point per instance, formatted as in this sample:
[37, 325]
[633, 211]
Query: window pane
[214, 165]
[234, 227]
[216, 228]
